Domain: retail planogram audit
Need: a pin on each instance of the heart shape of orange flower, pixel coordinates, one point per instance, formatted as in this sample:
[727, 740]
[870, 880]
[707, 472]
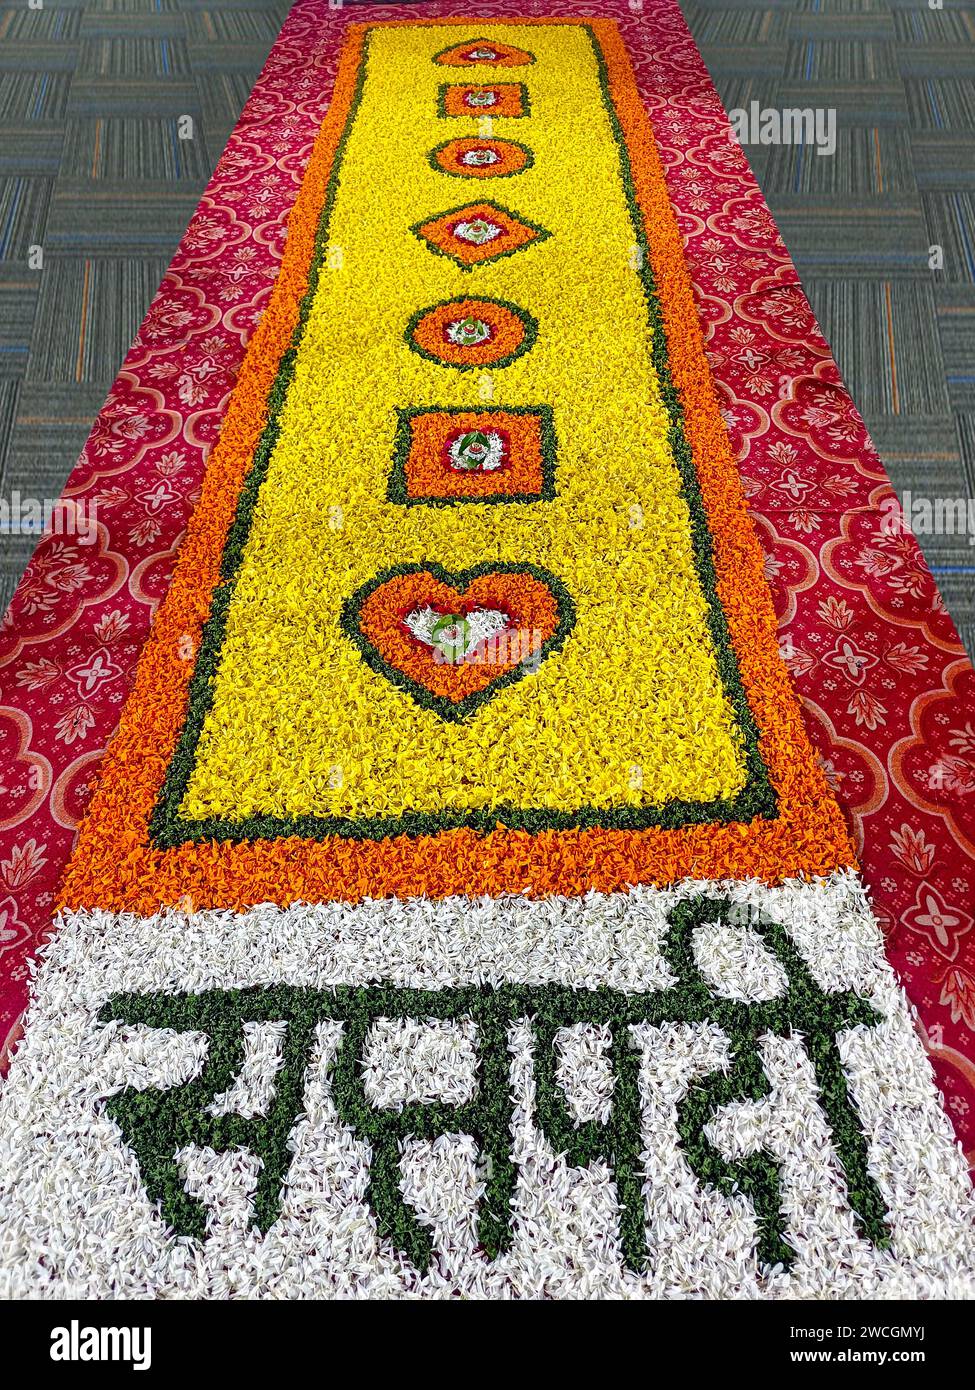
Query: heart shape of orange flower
[454, 641]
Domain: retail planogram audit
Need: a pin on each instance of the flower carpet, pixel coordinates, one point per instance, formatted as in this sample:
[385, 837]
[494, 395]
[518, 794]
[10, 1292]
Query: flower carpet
[471, 900]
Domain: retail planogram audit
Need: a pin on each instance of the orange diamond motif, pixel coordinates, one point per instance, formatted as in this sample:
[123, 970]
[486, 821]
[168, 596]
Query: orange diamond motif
[477, 233]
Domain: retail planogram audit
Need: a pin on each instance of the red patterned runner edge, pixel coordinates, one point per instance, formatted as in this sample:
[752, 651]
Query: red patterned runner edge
[886, 685]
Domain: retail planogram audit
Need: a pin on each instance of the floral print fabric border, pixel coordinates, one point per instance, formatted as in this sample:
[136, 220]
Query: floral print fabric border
[871, 650]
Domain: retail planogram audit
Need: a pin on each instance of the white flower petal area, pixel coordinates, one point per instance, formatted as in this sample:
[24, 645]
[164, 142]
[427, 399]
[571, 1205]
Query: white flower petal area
[456, 636]
[391, 1099]
[478, 232]
[480, 158]
[477, 450]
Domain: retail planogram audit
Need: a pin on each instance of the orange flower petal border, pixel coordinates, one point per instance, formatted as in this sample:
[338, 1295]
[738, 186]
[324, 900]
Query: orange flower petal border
[512, 332]
[115, 865]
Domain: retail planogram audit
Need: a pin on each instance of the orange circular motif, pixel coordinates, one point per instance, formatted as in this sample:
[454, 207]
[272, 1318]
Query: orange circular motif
[466, 333]
[474, 158]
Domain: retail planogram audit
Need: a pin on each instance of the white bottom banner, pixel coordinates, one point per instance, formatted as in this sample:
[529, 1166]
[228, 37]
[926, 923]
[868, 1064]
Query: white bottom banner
[711, 1091]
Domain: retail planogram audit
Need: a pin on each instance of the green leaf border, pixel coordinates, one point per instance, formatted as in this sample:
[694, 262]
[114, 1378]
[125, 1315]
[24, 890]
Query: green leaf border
[758, 799]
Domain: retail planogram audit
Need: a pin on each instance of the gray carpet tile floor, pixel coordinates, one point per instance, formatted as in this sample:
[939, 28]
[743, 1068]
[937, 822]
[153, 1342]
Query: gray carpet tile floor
[90, 169]
[860, 225]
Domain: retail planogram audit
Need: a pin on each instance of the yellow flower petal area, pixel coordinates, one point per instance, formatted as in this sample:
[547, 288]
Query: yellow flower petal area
[631, 711]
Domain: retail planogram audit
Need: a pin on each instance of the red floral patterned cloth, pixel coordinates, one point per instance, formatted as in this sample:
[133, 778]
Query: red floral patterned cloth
[886, 686]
